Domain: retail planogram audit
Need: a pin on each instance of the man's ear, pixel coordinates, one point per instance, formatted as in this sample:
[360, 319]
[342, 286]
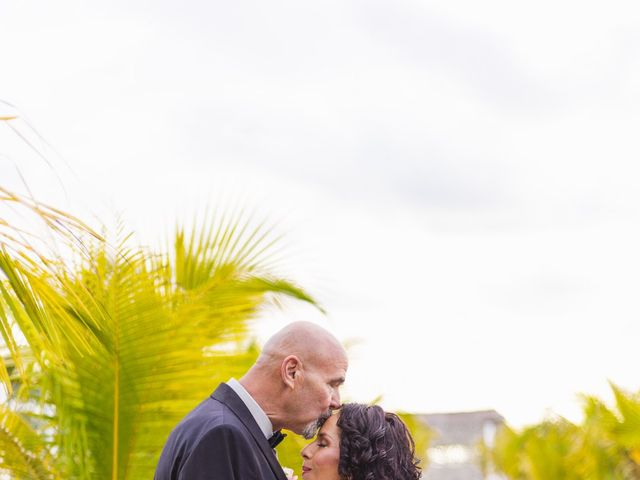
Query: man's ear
[290, 370]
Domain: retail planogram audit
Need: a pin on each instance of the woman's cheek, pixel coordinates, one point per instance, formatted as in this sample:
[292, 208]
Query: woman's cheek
[328, 459]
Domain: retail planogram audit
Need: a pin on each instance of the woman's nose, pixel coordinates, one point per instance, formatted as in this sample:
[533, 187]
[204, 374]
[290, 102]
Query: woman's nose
[305, 452]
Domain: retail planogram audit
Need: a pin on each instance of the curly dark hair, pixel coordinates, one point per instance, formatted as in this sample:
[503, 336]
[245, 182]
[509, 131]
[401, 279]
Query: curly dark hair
[375, 445]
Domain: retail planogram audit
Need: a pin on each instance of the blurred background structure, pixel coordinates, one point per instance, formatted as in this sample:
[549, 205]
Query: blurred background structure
[454, 452]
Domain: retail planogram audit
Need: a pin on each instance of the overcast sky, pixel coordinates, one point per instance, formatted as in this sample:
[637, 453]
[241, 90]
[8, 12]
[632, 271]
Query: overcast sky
[457, 181]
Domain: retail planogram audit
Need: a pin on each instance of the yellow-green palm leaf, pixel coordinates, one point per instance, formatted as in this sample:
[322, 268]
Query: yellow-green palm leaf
[147, 336]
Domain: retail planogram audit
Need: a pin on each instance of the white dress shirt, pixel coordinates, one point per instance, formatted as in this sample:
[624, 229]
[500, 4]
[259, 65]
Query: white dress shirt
[258, 414]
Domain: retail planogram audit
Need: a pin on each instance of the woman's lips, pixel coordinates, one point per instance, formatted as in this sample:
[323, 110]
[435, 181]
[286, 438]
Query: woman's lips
[305, 469]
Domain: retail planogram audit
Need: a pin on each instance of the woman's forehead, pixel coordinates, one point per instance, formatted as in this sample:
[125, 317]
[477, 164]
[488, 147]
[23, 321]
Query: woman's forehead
[330, 427]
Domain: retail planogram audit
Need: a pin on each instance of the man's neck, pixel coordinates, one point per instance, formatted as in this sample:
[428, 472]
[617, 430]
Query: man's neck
[264, 398]
[254, 407]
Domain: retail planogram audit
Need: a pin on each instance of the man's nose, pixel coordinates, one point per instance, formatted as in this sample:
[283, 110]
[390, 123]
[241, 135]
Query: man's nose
[335, 399]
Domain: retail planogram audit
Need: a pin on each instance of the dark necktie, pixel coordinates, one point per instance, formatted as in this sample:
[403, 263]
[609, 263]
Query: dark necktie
[276, 438]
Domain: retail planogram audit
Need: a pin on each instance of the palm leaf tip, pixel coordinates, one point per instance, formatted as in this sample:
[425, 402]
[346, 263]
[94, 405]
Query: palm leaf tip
[282, 287]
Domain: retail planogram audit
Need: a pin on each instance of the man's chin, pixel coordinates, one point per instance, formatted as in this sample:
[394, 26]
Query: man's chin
[310, 430]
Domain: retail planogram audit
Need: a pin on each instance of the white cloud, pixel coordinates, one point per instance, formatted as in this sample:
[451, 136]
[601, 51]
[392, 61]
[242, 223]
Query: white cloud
[458, 178]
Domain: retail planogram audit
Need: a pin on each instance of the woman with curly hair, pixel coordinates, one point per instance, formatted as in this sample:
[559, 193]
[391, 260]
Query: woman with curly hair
[361, 442]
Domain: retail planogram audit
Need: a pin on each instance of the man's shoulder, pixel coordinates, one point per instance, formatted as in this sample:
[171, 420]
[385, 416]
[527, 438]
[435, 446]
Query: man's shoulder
[212, 426]
[209, 414]
[228, 434]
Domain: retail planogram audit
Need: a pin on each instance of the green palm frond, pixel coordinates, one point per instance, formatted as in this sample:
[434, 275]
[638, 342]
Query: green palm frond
[628, 429]
[30, 299]
[126, 341]
[605, 446]
[24, 453]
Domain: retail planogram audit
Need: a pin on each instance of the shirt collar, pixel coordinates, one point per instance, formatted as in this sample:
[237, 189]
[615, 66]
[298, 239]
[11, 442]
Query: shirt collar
[256, 412]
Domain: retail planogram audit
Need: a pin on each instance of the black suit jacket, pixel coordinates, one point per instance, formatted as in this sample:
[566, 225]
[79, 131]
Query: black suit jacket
[218, 440]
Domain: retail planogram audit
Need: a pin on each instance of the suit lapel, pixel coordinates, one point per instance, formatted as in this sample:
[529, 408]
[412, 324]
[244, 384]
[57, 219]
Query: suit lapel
[225, 394]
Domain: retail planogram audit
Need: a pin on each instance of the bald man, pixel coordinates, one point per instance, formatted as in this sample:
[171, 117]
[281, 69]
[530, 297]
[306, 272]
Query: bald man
[230, 435]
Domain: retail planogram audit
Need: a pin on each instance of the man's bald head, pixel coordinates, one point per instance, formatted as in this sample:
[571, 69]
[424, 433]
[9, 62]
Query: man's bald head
[306, 340]
[297, 377]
